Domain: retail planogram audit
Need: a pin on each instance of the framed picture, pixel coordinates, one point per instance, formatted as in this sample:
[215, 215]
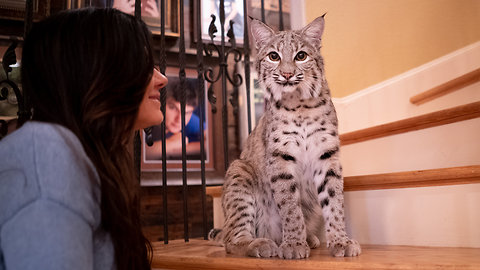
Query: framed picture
[152, 155]
[271, 5]
[233, 12]
[257, 98]
[257, 105]
[272, 12]
[150, 12]
[15, 9]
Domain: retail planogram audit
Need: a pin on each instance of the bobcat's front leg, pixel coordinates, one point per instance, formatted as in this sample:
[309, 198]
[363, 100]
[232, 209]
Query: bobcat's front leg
[286, 195]
[239, 209]
[330, 196]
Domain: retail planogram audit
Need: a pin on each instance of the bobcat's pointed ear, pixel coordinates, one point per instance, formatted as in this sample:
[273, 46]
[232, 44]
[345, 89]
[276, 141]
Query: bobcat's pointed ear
[314, 30]
[260, 32]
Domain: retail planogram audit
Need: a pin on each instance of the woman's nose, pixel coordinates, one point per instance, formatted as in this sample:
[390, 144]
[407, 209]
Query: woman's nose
[160, 80]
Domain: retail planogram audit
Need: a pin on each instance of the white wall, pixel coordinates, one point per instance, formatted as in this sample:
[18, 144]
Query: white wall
[456, 144]
[389, 100]
[432, 216]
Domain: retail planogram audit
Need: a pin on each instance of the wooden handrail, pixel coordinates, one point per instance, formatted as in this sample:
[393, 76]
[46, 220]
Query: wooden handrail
[409, 179]
[442, 117]
[421, 178]
[214, 191]
[448, 87]
[8, 118]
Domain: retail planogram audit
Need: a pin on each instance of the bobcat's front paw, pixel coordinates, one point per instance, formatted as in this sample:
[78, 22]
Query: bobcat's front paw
[262, 248]
[294, 250]
[344, 248]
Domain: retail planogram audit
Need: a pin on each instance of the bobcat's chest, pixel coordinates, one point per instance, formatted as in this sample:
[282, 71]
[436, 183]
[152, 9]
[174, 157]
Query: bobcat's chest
[308, 130]
[304, 131]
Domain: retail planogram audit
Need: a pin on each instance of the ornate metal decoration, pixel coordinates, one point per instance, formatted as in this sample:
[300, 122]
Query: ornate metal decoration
[9, 59]
[235, 78]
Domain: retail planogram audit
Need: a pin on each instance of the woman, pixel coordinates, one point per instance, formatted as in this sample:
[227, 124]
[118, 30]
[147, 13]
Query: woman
[68, 193]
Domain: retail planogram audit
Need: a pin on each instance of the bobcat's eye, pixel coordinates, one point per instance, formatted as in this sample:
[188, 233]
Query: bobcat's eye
[273, 56]
[301, 56]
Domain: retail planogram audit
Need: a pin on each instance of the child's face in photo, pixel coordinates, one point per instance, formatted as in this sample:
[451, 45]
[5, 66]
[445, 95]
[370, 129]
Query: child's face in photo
[173, 120]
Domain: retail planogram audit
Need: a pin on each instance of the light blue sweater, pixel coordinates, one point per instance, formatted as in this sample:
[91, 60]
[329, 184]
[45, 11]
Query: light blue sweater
[50, 202]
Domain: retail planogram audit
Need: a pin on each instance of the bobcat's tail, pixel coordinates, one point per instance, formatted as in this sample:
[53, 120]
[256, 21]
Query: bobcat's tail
[216, 235]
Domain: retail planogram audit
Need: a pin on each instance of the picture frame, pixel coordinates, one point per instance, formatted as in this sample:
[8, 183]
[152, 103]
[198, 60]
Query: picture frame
[151, 160]
[172, 24]
[209, 7]
[150, 13]
[272, 12]
[257, 98]
[233, 11]
[257, 104]
[15, 9]
[271, 5]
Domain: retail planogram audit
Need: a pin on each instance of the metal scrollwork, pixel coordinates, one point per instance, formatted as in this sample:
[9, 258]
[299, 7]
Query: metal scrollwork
[9, 59]
[209, 73]
[231, 35]
[212, 29]
[235, 78]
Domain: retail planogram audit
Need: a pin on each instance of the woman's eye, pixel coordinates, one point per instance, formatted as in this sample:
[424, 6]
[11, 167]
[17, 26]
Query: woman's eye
[273, 56]
[301, 56]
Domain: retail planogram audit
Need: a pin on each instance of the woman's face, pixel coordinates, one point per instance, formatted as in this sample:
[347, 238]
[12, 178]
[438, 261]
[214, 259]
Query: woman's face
[149, 113]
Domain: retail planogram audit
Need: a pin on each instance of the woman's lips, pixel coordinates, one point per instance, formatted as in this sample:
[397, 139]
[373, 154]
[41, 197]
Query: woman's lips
[155, 97]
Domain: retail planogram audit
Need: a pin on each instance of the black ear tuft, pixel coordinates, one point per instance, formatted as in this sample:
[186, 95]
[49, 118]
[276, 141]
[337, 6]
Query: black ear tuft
[314, 30]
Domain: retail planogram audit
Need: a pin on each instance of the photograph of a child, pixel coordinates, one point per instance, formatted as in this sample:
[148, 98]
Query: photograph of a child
[149, 7]
[173, 123]
[150, 12]
[233, 12]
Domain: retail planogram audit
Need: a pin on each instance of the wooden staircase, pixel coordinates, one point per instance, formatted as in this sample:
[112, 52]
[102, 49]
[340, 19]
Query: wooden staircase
[202, 254]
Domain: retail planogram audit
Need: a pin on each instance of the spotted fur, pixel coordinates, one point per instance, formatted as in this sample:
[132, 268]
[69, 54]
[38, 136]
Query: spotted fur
[288, 180]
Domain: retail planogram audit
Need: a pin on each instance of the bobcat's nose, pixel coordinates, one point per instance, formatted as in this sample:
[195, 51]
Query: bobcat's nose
[287, 75]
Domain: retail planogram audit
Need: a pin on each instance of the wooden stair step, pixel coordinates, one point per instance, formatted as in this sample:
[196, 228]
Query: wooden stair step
[202, 254]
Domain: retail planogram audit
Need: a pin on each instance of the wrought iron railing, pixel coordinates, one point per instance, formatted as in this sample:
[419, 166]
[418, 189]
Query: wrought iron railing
[219, 51]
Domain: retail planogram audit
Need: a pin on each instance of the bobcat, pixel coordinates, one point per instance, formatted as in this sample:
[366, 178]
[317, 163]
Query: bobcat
[288, 179]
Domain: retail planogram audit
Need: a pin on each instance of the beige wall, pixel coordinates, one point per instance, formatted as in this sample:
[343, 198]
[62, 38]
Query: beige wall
[369, 41]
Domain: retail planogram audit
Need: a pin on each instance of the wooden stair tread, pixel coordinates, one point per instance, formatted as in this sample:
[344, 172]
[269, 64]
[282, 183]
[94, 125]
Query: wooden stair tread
[202, 254]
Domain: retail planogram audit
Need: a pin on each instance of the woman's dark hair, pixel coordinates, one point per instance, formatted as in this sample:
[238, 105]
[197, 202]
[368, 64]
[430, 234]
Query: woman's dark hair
[87, 70]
